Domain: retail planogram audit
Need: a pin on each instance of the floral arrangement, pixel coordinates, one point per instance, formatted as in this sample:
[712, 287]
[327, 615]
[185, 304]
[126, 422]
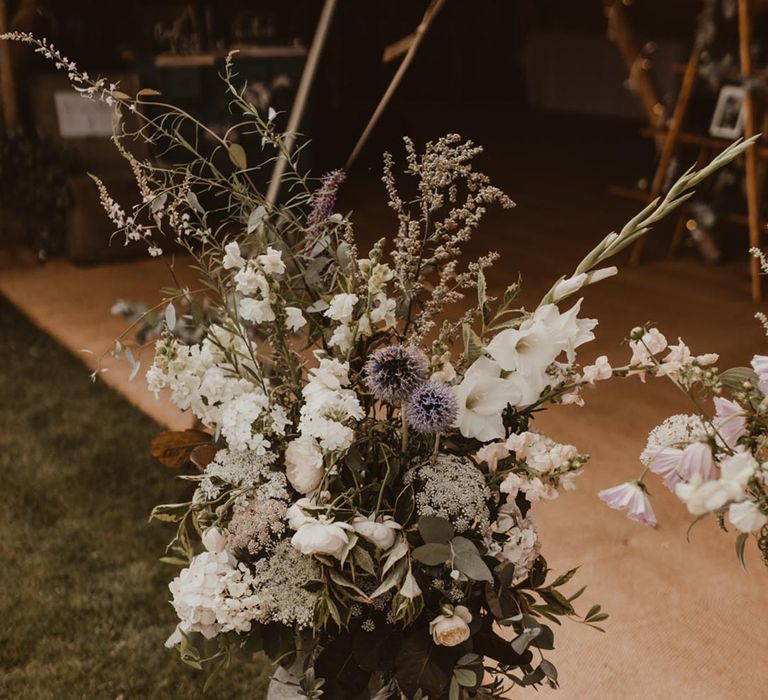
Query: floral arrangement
[364, 482]
[714, 461]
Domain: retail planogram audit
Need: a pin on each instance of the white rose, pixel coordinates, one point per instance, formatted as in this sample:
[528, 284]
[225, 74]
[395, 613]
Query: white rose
[214, 540]
[322, 536]
[304, 464]
[382, 533]
[746, 516]
[448, 630]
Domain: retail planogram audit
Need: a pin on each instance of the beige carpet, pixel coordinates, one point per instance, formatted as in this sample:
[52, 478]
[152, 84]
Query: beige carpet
[685, 621]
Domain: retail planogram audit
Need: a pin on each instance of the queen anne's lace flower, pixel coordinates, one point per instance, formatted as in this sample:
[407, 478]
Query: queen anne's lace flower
[244, 470]
[452, 488]
[256, 525]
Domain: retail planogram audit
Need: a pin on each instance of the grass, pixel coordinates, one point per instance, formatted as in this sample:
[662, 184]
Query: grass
[84, 601]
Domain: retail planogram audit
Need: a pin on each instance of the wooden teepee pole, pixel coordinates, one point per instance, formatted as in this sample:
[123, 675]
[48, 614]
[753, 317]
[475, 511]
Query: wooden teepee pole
[418, 37]
[750, 128]
[302, 94]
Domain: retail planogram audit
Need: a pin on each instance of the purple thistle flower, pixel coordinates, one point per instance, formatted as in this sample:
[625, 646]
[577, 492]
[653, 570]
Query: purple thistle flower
[432, 408]
[394, 372]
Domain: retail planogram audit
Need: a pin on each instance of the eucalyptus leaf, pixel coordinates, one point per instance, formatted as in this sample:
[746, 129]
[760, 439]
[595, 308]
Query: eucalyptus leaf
[432, 554]
[733, 379]
[434, 529]
[472, 566]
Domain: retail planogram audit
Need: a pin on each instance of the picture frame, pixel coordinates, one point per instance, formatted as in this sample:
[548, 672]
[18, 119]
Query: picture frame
[728, 118]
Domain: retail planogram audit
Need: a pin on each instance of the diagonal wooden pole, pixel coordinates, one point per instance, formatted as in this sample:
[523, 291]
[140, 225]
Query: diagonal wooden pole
[750, 128]
[421, 31]
[300, 102]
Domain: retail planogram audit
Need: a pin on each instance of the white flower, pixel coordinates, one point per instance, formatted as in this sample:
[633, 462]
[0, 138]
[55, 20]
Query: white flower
[632, 497]
[451, 629]
[272, 262]
[294, 319]
[304, 464]
[746, 516]
[702, 497]
[214, 540]
[342, 338]
[322, 536]
[256, 311]
[599, 371]
[739, 468]
[446, 373]
[381, 532]
[491, 454]
[232, 257]
[384, 311]
[342, 307]
[482, 396]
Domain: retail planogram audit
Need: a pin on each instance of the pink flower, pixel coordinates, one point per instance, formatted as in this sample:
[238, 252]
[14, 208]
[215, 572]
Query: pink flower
[600, 371]
[696, 460]
[631, 496]
[663, 461]
[760, 365]
[729, 420]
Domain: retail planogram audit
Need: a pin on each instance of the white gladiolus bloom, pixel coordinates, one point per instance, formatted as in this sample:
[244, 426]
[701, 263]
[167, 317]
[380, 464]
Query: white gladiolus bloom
[448, 630]
[232, 257]
[381, 532]
[568, 286]
[272, 262]
[482, 396]
[304, 464]
[746, 516]
[342, 307]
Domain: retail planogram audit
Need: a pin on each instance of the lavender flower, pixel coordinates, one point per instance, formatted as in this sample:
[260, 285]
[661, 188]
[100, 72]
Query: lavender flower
[395, 372]
[324, 198]
[432, 408]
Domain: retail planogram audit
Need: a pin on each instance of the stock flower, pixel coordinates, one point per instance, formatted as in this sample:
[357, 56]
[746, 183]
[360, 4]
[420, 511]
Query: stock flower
[232, 257]
[730, 421]
[451, 628]
[746, 516]
[304, 464]
[394, 372]
[272, 262]
[294, 319]
[491, 454]
[342, 338]
[342, 307]
[249, 281]
[322, 535]
[256, 310]
[432, 408]
[651, 343]
[631, 496]
[599, 371]
[381, 532]
[482, 396]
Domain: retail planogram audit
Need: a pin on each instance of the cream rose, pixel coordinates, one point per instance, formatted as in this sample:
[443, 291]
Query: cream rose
[448, 630]
[381, 532]
[304, 464]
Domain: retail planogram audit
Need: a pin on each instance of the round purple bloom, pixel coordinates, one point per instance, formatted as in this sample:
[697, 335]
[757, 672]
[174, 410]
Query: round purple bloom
[394, 372]
[432, 408]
